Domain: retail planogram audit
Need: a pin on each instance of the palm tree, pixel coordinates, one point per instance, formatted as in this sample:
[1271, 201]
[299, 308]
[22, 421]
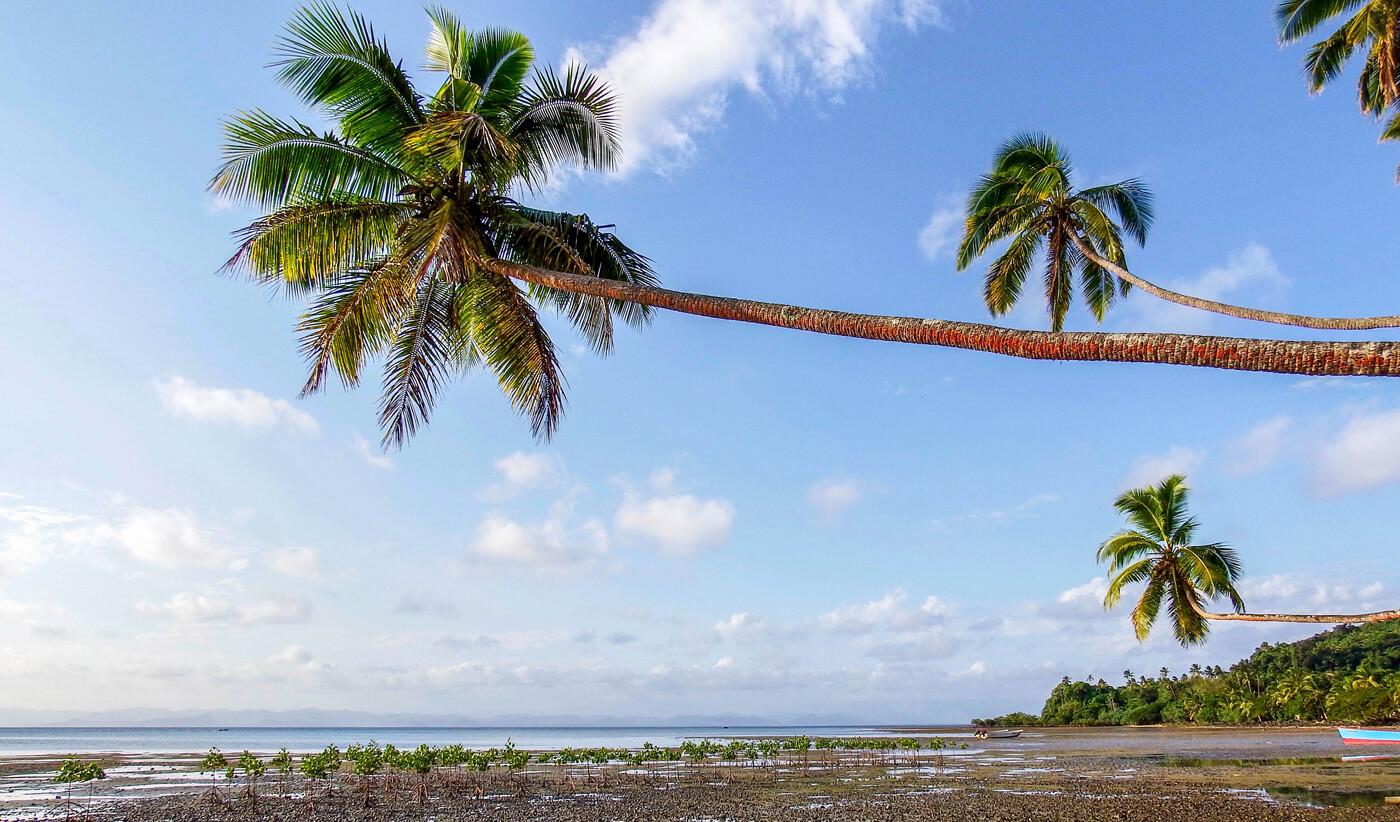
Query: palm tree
[1373, 26]
[402, 229]
[1028, 198]
[387, 224]
[1158, 551]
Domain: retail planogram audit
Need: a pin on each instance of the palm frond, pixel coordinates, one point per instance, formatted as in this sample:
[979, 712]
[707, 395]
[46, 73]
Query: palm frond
[506, 332]
[1298, 18]
[1131, 200]
[354, 317]
[335, 61]
[1139, 571]
[272, 163]
[304, 246]
[422, 354]
[1006, 276]
[565, 119]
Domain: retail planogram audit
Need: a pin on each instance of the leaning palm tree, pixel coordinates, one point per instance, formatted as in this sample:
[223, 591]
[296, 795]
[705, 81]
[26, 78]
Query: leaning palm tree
[402, 229]
[1159, 552]
[387, 224]
[1371, 25]
[1028, 200]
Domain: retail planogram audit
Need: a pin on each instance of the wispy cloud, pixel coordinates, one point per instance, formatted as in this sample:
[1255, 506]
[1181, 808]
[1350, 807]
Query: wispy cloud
[372, 456]
[1247, 272]
[940, 234]
[1153, 468]
[243, 407]
[1364, 454]
[675, 73]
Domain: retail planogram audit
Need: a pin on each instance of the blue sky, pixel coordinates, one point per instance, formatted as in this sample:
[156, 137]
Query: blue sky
[732, 518]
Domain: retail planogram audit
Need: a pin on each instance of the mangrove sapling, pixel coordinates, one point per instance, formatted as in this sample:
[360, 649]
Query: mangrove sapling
[253, 770]
[73, 771]
[420, 761]
[212, 763]
[282, 763]
[319, 767]
[365, 762]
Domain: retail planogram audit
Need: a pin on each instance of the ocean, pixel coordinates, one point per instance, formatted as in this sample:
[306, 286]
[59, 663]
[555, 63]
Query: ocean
[21, 741]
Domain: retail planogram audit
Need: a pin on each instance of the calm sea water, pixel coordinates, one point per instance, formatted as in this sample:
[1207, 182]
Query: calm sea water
[188, 740]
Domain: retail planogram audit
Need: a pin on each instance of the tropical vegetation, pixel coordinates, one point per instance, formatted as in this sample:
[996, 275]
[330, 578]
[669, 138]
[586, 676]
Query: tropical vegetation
[389, 224]
[1370, 26]
[1350, 674]
[403, 228]
[1159, 553]
[1028, 201]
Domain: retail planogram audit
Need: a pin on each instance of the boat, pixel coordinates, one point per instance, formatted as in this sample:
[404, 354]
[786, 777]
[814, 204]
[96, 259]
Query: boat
[1369, 736]
[984, 734]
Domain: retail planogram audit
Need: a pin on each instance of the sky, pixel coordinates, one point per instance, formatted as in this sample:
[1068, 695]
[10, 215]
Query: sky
[732, 519]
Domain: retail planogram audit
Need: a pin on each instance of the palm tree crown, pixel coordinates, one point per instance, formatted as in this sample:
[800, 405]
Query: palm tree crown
[389, 222]
[1158, 551]
[1373, 25]
[1028, 198]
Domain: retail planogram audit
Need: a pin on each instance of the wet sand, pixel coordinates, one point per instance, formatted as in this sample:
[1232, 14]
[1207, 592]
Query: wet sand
[1154, 775]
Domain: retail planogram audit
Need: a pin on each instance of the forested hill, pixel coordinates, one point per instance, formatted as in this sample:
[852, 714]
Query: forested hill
[1347, 674]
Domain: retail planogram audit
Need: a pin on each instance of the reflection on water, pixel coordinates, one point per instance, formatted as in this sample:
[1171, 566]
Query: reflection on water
[1202, 762]
[1328, 799]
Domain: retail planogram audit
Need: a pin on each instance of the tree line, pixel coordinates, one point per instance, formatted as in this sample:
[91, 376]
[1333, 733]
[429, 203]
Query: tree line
[1347, 674]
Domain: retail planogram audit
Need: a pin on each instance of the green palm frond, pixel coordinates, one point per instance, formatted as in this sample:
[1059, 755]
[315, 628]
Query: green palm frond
[271, 163]
[1139, 571]
[424, 352]
[507, 333]
[1029, 191]
[305, 246]
[569, 119]
[335, 61]
[1298, 18]
[1006, 276]
[1144, 613]
[389, 222]
[354, 317]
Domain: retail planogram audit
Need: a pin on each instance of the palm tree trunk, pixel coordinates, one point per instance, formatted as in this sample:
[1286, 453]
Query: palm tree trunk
[1276, 317]
[1374, 616]
[1312, 358]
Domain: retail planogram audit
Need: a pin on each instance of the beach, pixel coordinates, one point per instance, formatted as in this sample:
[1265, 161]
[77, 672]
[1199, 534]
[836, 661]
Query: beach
[1155, 774]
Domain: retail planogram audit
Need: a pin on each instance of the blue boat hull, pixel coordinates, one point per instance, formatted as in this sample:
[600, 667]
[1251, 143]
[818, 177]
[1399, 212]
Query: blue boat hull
[1369, 736]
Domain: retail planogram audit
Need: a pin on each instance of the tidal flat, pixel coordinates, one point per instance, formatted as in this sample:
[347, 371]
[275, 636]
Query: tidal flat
[1153, 775]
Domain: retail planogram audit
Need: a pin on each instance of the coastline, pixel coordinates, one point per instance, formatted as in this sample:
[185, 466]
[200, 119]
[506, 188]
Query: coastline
[1085, 774]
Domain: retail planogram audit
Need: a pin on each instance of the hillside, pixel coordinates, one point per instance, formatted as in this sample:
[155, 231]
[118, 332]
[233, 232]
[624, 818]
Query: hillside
[1347, 674]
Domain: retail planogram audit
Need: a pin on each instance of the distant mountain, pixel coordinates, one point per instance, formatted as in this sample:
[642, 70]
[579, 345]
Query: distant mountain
[321, 718]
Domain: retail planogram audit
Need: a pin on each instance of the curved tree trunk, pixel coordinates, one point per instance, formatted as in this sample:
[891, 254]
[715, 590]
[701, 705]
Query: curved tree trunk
[1276, 317]
[1374, 616]
[1312, 358]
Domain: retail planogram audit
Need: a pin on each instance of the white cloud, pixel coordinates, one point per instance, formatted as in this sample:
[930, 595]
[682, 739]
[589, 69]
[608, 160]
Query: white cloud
[420, 604]
[940, 234]
[678, 523]
[674, 73]
[1153, 468]
[203, 609]
[168, 538]
[886, 613]
[1305, 593]
[238, 406]
[834, 496]
[547, 545]
[296, 561]
[523, 471]
[1257, 448]
[1364, 454]
[372, 456]
[974, 670]
[741, 623]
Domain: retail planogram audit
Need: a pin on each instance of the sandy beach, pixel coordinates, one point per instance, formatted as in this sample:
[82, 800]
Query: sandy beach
[1128, 774]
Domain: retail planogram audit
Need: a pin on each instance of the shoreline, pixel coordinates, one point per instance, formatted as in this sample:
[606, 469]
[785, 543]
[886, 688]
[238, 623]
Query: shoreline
[1182, 775]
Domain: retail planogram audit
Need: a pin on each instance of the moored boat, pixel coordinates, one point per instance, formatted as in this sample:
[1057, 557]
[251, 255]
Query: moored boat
[1369, 736]
[985, 734]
